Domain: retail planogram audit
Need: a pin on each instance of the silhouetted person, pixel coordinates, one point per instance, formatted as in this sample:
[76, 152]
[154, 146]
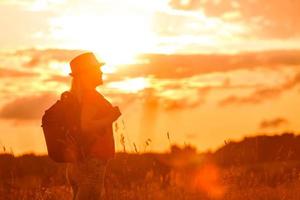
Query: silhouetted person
[86, 176]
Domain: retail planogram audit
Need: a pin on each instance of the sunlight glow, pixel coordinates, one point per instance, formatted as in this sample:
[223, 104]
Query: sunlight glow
[130, 85]
[39, 5]
[60, 67]
[116, 38]
[208, 180]
[108, 69]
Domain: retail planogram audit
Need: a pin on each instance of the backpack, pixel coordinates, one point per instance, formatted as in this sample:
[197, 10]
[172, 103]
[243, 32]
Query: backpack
[61, 128]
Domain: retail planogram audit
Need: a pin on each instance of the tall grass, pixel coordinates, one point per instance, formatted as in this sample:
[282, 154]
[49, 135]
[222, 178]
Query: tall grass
[181, 174]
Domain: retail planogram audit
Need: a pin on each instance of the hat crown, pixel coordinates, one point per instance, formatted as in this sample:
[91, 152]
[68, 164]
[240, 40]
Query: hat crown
[84, 62]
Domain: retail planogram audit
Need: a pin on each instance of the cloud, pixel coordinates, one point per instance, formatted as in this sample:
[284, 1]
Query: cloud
[28, 107]
[182, 66]
[175, 78]
[59, 78]
[256, 97]
[11, 73]
[178, 98]
[181, 104]
[185, 5]
[22, 28]
[161, 65]
[262, 94]
[184, 29]
[44, 56]
[189, 101]
[273, 123]
[152, 98]
[274, 18]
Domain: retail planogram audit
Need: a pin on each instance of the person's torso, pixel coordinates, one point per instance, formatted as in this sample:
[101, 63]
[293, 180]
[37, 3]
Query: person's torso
[95, 106]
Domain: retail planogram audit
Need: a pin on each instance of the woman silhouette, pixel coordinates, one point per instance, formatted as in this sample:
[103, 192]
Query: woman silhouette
[86, 175]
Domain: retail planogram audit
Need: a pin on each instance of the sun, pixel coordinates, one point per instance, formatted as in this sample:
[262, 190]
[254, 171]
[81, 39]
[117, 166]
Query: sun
[115, 38]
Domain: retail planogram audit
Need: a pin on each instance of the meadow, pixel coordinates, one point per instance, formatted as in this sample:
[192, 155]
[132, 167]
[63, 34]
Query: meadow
[261, 167]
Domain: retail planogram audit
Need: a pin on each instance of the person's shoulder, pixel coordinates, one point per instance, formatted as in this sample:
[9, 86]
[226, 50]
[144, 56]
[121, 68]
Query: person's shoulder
[92, 93]
[102, 100]
[98, 95]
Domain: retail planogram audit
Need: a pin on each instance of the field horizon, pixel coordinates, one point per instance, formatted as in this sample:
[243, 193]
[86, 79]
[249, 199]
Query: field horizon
[261, 167]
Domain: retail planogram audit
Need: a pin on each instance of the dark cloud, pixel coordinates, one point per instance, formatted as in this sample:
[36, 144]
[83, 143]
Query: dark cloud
[173, 66]
[182, 66]
[273, 123]
[254, 98]
[11, 73]
[273, 18]
[27, 108]
[187, 102]
[262, 94]
[181, 104]
[152, 99]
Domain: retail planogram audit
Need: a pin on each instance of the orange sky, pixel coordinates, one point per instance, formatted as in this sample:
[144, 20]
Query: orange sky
[204, 71]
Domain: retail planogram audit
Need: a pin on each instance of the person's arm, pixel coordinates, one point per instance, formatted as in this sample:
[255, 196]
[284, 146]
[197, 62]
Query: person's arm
[98, 125]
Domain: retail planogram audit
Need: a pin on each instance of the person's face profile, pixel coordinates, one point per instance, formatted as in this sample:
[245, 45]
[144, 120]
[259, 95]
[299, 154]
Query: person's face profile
[92, 78]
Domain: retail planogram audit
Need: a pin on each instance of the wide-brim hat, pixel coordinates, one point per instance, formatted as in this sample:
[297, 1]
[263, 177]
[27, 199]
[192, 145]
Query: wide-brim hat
[83, 63]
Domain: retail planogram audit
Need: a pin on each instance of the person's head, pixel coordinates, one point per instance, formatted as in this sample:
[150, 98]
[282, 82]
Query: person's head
[86, 71]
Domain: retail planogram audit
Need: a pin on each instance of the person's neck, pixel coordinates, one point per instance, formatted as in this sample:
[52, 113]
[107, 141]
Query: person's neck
[81, 91]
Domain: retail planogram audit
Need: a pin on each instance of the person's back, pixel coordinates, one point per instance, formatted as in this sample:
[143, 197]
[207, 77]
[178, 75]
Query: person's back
[86, 176]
